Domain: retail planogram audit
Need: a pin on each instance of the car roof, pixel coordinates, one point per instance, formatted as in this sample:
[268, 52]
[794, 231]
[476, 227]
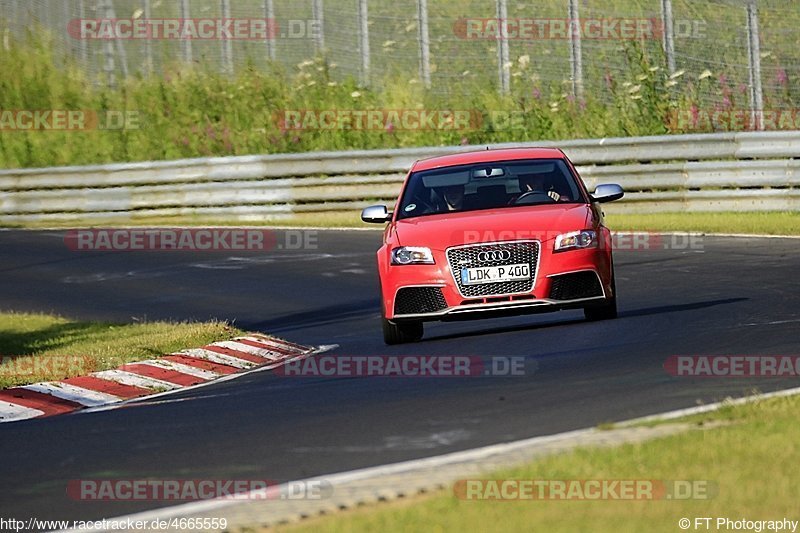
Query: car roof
[487, 156]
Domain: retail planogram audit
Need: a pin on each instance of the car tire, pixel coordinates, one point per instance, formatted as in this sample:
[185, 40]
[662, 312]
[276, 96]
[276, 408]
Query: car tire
[401, 333]
[607, 311]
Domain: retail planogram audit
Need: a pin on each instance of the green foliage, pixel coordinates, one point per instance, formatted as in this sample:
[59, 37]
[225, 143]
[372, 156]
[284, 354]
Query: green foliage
[40, 347]
[191, 112]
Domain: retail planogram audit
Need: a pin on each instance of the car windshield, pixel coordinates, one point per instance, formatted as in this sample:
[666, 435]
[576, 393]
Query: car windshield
[489, 186]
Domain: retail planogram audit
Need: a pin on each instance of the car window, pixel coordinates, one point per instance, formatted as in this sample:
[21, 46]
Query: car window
[505, 184]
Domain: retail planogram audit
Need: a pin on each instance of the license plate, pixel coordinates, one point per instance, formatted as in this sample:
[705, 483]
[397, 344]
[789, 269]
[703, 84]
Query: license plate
[495, 274]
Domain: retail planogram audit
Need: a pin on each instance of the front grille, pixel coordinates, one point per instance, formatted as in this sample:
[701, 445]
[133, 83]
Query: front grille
[467, 257]
[413, 300]
[576, 285]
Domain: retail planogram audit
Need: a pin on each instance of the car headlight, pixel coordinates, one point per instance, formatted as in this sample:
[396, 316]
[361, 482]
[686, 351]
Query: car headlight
[409, 255]
[577, 239]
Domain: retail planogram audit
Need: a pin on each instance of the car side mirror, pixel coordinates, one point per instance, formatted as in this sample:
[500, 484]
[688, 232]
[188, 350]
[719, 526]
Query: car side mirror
[376, 214]
[607, 192]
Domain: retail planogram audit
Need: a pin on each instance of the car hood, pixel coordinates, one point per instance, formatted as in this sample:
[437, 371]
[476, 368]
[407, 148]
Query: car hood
[542, 222]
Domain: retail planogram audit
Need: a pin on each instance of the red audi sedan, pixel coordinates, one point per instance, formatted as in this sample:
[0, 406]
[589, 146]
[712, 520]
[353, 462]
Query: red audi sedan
[493, 233]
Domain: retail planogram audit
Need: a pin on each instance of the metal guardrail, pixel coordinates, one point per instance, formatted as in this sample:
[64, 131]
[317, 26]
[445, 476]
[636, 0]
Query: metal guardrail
[703, 172]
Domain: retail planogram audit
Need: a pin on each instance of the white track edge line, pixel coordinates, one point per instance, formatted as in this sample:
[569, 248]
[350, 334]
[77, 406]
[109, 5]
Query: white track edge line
[679, 413]
[440, 460]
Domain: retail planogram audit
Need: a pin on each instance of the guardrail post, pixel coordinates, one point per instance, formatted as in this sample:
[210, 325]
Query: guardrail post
[575, 51]
[754, 60]
[363, 33]
[669, 34]
[424, 43]
[503, 67]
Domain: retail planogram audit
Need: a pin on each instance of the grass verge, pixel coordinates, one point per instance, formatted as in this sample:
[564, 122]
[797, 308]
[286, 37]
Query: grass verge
[749, 460]
[197, 109]
[330, 219]
[755, 223]
[41, 347]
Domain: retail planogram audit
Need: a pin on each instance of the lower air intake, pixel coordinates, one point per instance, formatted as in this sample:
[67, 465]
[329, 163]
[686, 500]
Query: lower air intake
[414, 300]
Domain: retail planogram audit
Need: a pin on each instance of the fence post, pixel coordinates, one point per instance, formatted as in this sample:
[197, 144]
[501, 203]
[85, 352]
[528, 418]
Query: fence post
[319, 18]
[83, 51]
[43, 14]
[65, 16]
[227, 45]
[13, 15]
[503, 69]
[575, 52]
[363, 31]
[108, 47]
[669, 33]
[186, 43]
[123, 56]
[754, 61]
[272, 32]
[424, 43]
[148, 43]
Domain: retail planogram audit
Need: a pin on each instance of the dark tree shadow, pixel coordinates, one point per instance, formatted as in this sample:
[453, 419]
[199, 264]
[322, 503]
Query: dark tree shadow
[677, 308]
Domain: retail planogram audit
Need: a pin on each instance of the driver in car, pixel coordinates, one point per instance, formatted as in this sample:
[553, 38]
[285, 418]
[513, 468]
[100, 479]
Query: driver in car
[453, 197]
[533, 183]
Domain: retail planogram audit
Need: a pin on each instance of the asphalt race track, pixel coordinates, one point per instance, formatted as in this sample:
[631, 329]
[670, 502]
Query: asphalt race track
[727, 296]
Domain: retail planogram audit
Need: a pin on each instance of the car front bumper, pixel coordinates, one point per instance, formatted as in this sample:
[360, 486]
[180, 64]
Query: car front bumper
[440, 298]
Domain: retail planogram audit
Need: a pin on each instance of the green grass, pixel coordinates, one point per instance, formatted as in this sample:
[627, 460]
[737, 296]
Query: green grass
[38, 347]
[195, 111]
[331, 219]
[753, 223]
[749, 459]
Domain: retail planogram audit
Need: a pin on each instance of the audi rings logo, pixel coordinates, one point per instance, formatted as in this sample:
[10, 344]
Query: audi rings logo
[494, 255]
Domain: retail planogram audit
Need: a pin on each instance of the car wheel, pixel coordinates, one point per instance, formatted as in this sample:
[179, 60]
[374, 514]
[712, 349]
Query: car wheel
[606, 311]
[402, 332]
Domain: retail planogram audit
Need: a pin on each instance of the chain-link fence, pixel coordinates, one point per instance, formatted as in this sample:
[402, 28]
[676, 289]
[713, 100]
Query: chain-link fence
[722, 52]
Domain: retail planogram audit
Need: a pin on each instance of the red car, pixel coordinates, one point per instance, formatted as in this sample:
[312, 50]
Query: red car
[491, 233]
